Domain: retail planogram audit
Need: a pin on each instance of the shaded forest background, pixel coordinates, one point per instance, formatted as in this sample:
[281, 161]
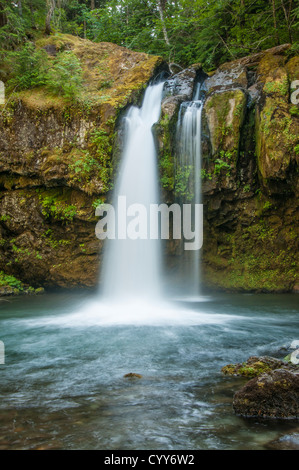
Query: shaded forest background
[182, 31]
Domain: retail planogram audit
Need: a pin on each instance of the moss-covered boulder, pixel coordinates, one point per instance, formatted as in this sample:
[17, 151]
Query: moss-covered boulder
[255, 366]
[274, 394]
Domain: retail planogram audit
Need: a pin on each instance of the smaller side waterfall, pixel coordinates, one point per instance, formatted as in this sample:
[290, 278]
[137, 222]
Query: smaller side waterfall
[188, 176]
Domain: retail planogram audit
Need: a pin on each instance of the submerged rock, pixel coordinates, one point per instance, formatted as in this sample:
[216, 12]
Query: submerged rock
[132, 375]
[274, 394]
[286, 442]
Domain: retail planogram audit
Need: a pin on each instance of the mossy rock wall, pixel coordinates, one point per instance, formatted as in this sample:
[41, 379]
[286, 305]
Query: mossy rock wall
[58, 160]
[249, 175]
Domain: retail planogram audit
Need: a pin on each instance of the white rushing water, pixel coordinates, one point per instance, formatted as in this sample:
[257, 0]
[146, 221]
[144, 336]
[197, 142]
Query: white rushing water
[131, 268]
[131, 287]
[188, 173]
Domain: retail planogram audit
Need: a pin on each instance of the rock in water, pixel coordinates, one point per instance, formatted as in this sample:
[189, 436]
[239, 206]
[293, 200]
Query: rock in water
[255, 366]
[274, 394]
[133, 375]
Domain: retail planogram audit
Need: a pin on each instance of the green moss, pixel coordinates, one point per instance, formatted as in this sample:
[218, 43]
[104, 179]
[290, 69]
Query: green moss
[279, 87]
[9, 280]
[261, 256]
[166, 135]
[13, 286]
[102, 144]
[276, 137]
[167, 172]
[253, 370]
[225, 113]
[55, 203]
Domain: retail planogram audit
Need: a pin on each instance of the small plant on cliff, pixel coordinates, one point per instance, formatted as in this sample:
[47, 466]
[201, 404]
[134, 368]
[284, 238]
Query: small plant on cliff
[8, 280]
[53, 205]
[28, 68]
[102, 143]
[183, 182]
[220, 165]
[205, 175]
[65, 75]
[31, 68]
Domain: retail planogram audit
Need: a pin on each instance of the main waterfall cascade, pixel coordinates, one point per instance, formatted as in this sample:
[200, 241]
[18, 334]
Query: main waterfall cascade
[131, 268]
[188, 177]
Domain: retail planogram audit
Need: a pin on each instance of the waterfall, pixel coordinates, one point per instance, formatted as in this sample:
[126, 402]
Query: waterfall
[188, 177]
[131, 267]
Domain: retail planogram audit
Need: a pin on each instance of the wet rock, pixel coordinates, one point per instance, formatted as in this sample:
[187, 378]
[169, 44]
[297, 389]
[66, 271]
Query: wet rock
[286, 442]
[183, 83]
[277, 128]
[255, 366]
[132, 375]
[293, 357]
[225, 113]
[274, 394]
[227, 76]
[7, 290]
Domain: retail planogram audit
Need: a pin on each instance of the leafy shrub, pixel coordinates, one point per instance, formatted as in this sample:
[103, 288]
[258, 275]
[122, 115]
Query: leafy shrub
[8, 280]
[28, 68]
[31, 67]
[65, 75]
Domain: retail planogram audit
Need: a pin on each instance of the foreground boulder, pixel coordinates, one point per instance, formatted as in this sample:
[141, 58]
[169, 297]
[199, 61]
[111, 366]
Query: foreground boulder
[274, 394]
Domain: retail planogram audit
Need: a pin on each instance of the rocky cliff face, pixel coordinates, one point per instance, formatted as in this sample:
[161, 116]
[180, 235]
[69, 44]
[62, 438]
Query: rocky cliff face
[56, 165]
[57, 162]
[249, 171]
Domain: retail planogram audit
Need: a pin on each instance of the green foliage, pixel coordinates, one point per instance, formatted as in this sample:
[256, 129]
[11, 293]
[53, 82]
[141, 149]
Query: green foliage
[65, 75]
[294, 111]
[98, 202]
[205, 175]
[54, 204]
[167, 172]
[84, 165]
[8, 280]
[28, 67]
[223, 163]
[280, 88]
[183, 186]
[185, 31]
[102, 143]
[31, 67]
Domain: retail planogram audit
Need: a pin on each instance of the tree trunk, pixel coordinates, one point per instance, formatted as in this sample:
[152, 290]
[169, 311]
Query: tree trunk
[20, 7]
[287, 15]
[161, 7]
[51, 8]
[92, 4]
[274, 22]
[3, 19]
